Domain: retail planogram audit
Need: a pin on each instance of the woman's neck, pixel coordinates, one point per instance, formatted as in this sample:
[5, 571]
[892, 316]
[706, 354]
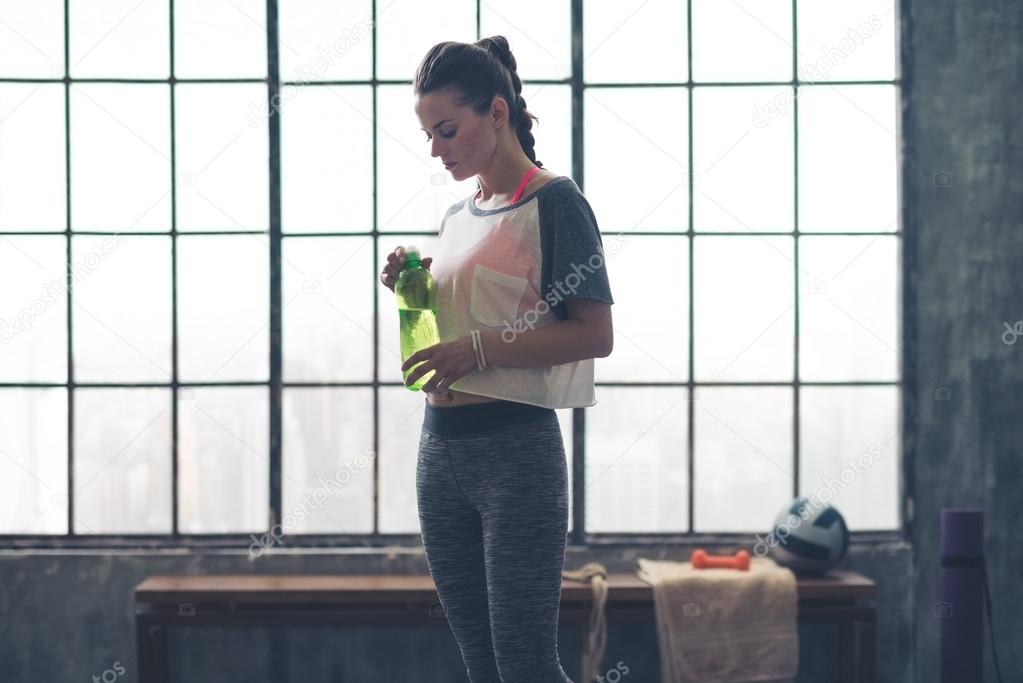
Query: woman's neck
[502, 180]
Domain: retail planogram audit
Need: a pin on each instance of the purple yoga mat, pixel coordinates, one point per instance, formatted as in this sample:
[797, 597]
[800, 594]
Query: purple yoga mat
[961, 609]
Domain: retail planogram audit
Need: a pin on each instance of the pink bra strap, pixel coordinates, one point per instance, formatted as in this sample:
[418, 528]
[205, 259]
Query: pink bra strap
[522, 183]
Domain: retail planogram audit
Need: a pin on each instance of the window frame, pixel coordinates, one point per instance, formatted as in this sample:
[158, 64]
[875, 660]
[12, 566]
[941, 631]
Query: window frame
[578, 536]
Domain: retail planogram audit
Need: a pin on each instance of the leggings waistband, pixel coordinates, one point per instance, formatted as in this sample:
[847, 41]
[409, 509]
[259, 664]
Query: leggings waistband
[479, 417]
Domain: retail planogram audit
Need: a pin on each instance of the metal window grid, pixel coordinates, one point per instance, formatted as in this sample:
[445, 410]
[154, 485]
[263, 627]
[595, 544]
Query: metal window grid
[578, 534]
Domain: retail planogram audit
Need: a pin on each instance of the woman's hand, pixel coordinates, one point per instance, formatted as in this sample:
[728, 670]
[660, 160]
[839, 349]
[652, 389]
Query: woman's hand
[395, 264]
[450, 361]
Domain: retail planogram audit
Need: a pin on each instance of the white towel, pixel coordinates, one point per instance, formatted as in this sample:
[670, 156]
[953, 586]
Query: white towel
[724, 625]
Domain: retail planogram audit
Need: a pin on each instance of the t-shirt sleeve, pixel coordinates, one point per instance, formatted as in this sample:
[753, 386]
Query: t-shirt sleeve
[573, 251]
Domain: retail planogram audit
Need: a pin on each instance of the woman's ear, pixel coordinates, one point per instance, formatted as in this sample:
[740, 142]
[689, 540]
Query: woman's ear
[498, 112]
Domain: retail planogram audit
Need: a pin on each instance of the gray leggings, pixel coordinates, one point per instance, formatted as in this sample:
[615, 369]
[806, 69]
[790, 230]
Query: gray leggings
[492, 491]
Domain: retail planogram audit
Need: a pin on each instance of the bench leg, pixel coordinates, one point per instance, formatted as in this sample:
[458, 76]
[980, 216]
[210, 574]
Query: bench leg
[151, 643]
[867, 650]
[845, 648]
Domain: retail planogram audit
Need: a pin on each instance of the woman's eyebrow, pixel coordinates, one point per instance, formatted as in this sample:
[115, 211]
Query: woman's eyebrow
[438, 124]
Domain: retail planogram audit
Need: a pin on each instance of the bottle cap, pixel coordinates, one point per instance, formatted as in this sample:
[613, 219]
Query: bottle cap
[412, 252]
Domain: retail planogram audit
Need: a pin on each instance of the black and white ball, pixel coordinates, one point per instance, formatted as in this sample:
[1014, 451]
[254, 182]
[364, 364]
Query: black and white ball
[809, 537]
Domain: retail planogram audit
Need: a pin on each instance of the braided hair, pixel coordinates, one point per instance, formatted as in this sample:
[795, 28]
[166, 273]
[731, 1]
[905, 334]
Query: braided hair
[479, 71]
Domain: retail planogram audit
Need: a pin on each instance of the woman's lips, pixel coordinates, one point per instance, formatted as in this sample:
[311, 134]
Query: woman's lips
[451, 165]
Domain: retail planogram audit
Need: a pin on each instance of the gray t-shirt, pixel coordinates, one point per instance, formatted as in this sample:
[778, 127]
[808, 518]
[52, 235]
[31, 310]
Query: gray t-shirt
[572, 249]
[511, 269]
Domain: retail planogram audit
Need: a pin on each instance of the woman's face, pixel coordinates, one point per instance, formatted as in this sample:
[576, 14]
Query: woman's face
[464, 141]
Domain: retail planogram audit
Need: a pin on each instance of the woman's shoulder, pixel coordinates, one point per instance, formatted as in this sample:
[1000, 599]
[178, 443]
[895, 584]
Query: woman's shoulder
[562, 192]
[555, 184]
[545, 176]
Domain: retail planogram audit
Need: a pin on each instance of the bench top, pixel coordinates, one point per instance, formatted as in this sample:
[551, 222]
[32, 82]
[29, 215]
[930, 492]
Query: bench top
[397, 588]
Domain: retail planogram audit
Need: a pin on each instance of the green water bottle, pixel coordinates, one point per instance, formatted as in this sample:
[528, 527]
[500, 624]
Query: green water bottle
[417, 311]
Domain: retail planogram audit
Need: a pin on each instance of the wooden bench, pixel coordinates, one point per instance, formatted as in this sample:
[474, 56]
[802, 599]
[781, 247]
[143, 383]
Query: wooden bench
[359, 600]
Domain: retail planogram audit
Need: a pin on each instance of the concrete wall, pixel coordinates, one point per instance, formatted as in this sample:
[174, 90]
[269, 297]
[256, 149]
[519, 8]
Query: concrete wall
[68, 616]
[962, 117]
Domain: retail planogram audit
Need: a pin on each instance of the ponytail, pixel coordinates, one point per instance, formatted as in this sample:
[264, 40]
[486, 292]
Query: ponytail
[520, 116]
[480, 71]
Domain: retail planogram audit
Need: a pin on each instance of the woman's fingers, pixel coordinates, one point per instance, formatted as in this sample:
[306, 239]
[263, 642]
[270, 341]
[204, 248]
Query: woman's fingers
[395, 261]
[395, 264]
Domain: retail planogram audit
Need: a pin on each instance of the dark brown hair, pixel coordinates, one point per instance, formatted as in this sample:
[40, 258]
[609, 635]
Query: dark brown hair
[477, 72]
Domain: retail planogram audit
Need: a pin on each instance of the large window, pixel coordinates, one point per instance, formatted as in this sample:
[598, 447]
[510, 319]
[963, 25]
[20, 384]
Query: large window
[196, 199]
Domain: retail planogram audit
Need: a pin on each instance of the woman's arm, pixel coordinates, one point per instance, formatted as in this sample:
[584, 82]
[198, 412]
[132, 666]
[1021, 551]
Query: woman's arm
[586, 332]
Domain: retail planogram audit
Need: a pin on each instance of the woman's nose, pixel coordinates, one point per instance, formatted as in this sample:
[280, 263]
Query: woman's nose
[435, 148]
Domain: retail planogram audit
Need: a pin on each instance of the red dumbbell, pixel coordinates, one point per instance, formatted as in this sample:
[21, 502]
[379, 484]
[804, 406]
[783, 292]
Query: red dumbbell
[701, 560]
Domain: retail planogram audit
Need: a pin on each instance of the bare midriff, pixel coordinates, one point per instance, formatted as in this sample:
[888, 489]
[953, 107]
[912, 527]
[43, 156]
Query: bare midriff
[458, 398]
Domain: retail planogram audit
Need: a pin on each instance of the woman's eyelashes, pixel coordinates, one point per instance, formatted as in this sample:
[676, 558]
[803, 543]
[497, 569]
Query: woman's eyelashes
[447, 136]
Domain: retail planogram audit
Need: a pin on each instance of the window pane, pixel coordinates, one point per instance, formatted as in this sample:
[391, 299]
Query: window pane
[743, 457]
[390, 347]
[33, 189]
[655, 29]
[120, 157]
[33, 461]
[850, 452]
[414, 189]
[328, 461]
[119, 39]
[122, 314]
[743, 159]
[325, 40]
[846, 41]
[407, 29]
[627, 129]
[742, 40]
[849, 308]
[552, 105]
[328, 308]
[847, 158]
[538, 32]
[651, 311]
[744, 309]
[220, 39]
[33, 309]
[223, 308]
[401, 423]
[122, 461]
[223, 464]
[636, 472]
[221, 157]
[326, 157]
[32, 39]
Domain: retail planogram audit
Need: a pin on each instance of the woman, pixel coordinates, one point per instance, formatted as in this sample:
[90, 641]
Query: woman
[523, 308]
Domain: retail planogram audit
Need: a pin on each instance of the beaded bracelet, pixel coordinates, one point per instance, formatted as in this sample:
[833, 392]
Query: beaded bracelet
[483, 354]
[477, 348]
